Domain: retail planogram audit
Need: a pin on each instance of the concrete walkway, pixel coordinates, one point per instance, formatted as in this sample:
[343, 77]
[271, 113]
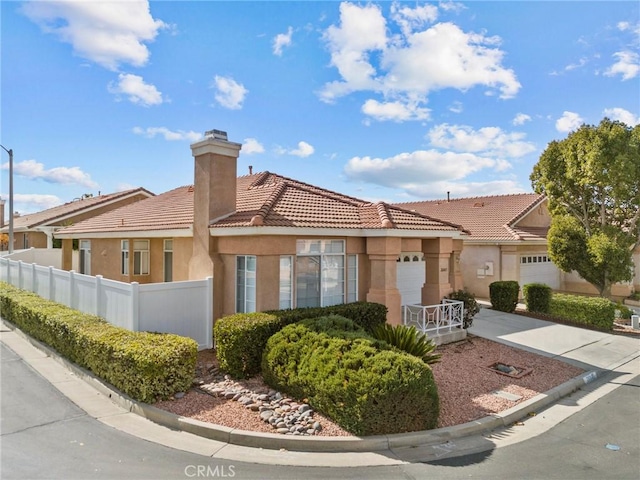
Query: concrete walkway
[608, 359]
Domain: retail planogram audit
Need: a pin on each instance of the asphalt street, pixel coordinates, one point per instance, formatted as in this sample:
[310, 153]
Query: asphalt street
[46, 436]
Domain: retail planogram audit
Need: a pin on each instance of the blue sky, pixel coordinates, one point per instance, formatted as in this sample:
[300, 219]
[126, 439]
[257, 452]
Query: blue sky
[394, 101]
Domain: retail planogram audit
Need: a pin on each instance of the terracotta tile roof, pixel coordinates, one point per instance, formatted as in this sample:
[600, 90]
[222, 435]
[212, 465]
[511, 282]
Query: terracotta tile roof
[167, 211]
[71, 209]
[486, 218]
[263, 199]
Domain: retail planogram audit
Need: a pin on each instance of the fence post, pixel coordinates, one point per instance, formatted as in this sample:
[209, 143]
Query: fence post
[209, 314]
[72, 284]
[34, 282]
[52, 286]
[19, 273]
[135, 306]
[98, 311]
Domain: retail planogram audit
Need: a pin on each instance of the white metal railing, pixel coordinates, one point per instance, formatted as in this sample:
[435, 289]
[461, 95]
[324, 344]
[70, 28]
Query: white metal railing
[440, 318]
[183, 308]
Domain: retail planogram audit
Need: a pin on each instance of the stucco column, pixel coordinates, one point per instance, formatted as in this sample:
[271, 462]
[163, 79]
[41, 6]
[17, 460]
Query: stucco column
[383, 254]
[67, 254]
[437, 256]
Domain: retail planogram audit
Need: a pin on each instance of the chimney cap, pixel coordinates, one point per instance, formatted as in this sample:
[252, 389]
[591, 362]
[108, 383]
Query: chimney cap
[219, 134]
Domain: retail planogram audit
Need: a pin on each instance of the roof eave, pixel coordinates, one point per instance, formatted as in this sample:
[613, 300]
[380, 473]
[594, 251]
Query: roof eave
[333, 232]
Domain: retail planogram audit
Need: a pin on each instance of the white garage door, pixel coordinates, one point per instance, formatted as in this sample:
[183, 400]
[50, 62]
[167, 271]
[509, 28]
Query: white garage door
[411, 278]
[539, 269]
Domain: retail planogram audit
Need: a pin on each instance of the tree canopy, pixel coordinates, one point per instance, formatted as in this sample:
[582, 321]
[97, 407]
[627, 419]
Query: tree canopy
[592, 181]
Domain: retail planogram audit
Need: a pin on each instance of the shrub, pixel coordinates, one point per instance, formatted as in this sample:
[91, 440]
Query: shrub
[366, 314]
[593, 311]
[537, 297]
[408, 339]
[622, 311]
[240, 340]
[145, 366]
[471, 307]
[361, 384]
[504, 295]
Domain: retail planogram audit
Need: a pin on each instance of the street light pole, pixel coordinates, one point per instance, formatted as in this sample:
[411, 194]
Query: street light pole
[10, 152]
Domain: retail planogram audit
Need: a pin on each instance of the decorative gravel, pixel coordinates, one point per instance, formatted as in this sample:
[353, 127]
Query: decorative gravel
[465, 386]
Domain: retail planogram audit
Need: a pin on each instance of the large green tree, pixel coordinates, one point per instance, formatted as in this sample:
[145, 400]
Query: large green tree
[592, 181]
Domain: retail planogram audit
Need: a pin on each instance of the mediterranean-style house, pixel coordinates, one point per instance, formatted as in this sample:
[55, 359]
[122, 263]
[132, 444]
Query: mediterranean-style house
[508, 241]
[36, 230]
[272, 242]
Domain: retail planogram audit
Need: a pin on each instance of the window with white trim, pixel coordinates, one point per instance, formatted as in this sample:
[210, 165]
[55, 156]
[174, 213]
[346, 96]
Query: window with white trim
[124, 257]
[320, 273]
[245, 283]
[168, 260]
[141, 257]
[286, 282]
[85, 257]
[352, 278]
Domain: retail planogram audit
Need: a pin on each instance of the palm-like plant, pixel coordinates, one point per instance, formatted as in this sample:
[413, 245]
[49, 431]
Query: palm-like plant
[408, 339]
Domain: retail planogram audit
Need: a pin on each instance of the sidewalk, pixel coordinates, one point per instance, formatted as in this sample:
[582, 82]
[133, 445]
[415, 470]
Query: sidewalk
[598, 353]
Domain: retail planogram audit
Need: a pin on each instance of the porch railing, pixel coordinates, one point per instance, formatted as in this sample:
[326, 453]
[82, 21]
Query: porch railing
[438, 319]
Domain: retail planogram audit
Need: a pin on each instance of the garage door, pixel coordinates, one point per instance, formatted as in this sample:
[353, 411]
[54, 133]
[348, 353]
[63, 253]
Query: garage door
[411, 278]
[539, 269]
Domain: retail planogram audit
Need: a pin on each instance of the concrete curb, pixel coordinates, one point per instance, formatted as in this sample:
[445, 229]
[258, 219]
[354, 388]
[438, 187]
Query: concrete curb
[269, 441]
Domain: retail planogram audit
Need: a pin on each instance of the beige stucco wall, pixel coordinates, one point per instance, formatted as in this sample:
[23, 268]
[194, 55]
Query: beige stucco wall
[538, 217]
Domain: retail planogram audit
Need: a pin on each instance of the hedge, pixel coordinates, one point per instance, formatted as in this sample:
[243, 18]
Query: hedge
[504, 295]
[537, 297]
[146, 366]
[362, 384]
[240, 339]
[593, 311]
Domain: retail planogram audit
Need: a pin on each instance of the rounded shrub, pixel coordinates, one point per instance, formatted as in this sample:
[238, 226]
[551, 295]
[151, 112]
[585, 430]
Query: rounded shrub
[504, 295]
[537, 297]
[471, 307]
[362, 384]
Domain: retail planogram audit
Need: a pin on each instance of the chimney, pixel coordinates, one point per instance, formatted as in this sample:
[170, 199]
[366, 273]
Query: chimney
[250, 169]
[2, 202]
[214, 194]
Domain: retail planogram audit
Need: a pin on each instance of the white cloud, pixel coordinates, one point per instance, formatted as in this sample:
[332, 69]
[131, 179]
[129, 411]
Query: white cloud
[26, 203]
[251, 146]
[170, 135]
[622, 115]
[569, 122]
[521, 119]
[628, 65]
[414, 63]
[138, 92]
[396, 111]
[229, 93]
[304, 150]
[282, 40]
[418, 169]
[491, 141]
[107, 33]
[456, 107]
[63, 175]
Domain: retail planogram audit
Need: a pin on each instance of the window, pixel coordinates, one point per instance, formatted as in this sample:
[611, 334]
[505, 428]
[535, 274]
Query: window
[85, 257]
[168, 260]
[245, 283]
[141, 257]
[124, 257]
[286, 282]
[320, 273]
[352, 278]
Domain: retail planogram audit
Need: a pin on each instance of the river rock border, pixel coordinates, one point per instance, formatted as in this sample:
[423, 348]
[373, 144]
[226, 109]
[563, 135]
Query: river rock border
[285, 415]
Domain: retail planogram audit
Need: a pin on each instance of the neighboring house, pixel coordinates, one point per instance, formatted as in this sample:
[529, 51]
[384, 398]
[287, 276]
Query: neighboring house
[36, 230]
[508, 241]
[272, 242]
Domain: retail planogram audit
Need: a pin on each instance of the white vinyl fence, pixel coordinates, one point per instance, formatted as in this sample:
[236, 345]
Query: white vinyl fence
[183, 308]
[434, 319]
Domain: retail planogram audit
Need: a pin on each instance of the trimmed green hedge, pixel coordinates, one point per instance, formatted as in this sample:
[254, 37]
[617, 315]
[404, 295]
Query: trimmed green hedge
[240, 339]
[504, 295]
[537, 297]
[593, 311]
[146, 366]
[364, 385]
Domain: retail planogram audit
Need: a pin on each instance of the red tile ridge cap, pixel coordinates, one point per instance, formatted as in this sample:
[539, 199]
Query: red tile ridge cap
[512, 232]
[538, 201]
[258, 219]
[383, 214]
